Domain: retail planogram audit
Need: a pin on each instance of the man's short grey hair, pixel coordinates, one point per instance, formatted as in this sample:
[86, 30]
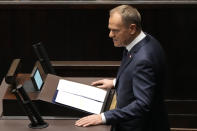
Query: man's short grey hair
[130, 15]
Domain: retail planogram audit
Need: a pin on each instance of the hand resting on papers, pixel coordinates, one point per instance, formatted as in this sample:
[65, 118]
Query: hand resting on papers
[104, 84]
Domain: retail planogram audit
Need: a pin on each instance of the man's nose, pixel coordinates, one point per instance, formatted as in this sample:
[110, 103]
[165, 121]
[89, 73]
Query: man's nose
[111, 34]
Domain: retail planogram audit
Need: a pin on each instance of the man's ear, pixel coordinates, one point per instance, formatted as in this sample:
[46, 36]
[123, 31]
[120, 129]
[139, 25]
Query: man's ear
[133, 29]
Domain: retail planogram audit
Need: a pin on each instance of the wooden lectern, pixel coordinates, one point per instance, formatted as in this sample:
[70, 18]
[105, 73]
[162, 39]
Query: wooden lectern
[43, 100]
[20, 123]
[13, 117]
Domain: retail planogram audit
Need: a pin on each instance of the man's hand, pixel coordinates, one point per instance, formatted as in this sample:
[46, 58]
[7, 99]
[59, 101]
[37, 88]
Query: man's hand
[105, 84]
[89, 120]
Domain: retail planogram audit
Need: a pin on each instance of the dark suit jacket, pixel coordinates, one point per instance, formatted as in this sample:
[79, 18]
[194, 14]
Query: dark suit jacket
[139, 90]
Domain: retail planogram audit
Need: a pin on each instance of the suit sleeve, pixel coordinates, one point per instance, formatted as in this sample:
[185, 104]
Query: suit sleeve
[143, 88]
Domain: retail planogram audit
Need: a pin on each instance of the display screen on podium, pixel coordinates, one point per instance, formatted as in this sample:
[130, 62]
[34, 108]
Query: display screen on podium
[80, 96]
[37, 79]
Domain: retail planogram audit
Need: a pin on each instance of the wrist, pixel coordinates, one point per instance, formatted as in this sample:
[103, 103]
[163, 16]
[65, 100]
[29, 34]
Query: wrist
[103, 118]
[114, 82]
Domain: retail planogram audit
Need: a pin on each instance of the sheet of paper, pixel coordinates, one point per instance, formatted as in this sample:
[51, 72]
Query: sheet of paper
[82, 90]
[79, 102]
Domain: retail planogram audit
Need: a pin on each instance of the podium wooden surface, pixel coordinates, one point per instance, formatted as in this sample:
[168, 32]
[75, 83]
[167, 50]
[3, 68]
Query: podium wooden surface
[18, 124]
[58, 125]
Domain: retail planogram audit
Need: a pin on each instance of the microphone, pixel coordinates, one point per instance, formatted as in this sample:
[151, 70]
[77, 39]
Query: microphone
[22, 97]
[30, 109]
[43, 58]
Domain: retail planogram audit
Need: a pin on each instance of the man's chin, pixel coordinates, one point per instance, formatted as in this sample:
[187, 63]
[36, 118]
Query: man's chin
[117, 44]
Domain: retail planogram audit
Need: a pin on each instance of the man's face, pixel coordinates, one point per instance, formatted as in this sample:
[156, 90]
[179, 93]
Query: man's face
[120, 34]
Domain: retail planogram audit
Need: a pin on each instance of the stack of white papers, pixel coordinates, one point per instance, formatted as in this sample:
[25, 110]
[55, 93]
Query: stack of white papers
[81, 96]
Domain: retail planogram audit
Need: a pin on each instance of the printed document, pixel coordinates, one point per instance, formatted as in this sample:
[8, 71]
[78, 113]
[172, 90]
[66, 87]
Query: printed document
[81, 96]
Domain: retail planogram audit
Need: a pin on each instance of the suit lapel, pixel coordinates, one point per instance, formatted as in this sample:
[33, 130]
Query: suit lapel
[132, 53]
[124, 64]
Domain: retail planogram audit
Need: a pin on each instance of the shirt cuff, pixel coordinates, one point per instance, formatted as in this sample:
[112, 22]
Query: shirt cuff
[114, 82]
[103, 118]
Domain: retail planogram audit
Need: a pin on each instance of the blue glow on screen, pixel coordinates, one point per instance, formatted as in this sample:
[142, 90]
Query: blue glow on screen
[38, 79]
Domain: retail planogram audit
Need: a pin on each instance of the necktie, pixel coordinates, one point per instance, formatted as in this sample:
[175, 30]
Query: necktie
[125, 55]
[125, 58]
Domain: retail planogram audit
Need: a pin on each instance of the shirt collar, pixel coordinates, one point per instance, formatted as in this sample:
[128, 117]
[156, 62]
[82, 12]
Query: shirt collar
[136, 40]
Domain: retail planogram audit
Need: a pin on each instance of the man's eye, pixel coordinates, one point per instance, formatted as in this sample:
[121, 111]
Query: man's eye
[115, 31]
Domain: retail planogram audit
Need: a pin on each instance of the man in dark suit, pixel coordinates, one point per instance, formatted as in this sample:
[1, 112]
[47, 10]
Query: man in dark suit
[140, 80]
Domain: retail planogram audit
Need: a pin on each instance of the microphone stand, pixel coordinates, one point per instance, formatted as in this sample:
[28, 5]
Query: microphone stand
[34, 116]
